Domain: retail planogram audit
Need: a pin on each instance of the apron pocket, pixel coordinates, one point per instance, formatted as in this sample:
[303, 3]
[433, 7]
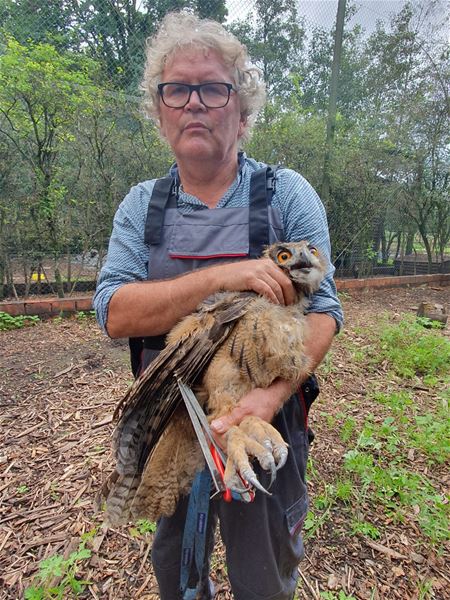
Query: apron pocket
[296, 514]
[212, 238]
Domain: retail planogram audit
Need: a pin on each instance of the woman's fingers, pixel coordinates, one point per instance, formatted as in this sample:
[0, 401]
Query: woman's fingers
[261, 276]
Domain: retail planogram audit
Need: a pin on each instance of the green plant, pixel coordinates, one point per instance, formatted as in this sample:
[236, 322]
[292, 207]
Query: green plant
[413, 350]
[344, 490]
[63, 569]
[401, 492]
[395, 401]
[22, 489]
[332, 596]
[348, 428]
[322, 502]
[425, 589]
[431, 433]
[143, 526]
[85, 315]
[366, 529]
[7, 322]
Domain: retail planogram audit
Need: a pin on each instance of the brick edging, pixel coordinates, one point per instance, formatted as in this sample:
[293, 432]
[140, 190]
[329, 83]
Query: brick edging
[57, 306]
[392, 282]
[48, 307]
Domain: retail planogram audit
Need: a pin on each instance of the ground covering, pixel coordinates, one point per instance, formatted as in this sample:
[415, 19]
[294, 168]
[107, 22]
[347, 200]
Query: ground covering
[378, 477]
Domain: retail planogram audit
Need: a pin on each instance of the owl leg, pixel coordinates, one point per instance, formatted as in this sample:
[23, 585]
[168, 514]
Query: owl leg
[253, 438]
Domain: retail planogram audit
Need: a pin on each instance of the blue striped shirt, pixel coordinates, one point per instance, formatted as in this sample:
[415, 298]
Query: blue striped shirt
[303, 218]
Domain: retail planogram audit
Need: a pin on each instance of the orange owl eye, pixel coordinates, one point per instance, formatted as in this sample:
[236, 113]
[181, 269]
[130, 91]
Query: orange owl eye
[283, 256]
[313, 250]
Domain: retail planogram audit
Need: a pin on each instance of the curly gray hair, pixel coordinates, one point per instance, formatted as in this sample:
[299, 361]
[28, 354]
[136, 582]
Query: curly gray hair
[181, 29]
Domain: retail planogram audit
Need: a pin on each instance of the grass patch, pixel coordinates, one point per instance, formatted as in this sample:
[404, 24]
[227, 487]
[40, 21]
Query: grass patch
[413, 350]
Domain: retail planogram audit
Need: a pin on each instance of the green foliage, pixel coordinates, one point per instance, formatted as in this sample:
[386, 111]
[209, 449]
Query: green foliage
[365, 528]
[431, 434]
[83, 315]
[332, 596]
[291, 138]
[143, 527]
[413, 350]
[344, 490]
[397, 402]
[65, 569]
[8, 322]
[400, 491]
[274, 37]
[347, 429]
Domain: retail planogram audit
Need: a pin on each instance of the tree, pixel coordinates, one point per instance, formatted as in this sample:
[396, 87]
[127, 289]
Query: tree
[274, 36]
[113, 31]
[409, 103]
[42, 94]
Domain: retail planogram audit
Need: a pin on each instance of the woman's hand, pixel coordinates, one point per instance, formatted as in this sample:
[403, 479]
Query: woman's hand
[261, 276]
[259, 402]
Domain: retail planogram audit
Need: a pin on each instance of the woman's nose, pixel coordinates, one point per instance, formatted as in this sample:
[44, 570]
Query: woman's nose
[194, 102]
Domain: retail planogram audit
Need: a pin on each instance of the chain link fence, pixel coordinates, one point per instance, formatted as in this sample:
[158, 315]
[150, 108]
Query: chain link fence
[73, 138]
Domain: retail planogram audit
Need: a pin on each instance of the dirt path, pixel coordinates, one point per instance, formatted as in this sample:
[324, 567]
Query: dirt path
[60, 381]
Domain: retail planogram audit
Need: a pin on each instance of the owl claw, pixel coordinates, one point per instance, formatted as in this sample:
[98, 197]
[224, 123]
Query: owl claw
[258, 439]
[250, 477]
[281, 458]
[273, 473]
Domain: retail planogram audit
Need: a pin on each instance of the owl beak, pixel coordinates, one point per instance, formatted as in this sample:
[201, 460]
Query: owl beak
[303, 264]
[304, 261]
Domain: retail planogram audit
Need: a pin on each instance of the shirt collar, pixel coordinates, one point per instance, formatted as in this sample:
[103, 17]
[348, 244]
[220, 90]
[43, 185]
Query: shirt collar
[186, 198]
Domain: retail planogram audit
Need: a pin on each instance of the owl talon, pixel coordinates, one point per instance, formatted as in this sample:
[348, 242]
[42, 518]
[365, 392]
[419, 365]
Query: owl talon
[250, 477]
[254, 438]
[273, 474]
[281, 458]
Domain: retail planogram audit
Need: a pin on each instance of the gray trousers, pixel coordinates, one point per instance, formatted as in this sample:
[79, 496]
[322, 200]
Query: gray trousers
[262, 539]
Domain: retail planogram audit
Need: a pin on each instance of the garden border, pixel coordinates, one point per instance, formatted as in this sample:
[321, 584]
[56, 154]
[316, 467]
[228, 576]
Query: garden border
[57, 306]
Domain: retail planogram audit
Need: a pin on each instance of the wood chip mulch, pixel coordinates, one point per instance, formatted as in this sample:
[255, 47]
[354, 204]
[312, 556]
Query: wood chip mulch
[60, 381]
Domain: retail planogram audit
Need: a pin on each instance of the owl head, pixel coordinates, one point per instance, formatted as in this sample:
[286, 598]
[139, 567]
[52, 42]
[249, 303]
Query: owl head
[302, 262]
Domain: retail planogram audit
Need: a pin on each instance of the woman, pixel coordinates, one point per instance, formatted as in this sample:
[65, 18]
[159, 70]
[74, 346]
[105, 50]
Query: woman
[203, 94]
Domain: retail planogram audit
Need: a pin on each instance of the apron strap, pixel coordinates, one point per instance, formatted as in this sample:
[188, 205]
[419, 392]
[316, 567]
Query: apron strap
[262, 185]
[162, 191]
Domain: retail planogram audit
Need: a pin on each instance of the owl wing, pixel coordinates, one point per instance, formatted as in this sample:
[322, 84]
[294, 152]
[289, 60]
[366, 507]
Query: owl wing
[149, 404]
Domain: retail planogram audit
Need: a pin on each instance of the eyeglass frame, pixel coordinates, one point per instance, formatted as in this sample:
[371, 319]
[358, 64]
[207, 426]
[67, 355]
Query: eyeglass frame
[195, 88]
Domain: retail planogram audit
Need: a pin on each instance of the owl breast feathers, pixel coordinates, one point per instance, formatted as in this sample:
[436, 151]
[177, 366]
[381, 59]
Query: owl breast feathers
[234, 342]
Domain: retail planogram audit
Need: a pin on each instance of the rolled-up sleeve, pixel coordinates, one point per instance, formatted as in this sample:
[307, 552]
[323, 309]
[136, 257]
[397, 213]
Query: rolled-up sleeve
[127, 258]
[305, 219]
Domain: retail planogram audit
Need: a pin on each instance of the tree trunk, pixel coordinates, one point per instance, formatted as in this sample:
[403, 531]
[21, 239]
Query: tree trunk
[2, 279]
[27, 278]
[59, 283]
[10, 278]
[331, 120]
[409, 243]
[428, 249]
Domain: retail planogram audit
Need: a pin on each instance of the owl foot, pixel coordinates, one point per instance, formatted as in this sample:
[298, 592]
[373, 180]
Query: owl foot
[253, 438]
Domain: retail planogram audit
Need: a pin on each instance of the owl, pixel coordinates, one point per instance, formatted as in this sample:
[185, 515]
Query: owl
[234, 342]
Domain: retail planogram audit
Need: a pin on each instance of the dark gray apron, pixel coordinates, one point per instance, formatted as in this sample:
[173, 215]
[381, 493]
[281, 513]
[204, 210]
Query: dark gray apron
[262, 539]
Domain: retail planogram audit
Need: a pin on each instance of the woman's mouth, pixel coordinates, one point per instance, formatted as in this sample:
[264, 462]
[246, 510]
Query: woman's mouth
[195, 125]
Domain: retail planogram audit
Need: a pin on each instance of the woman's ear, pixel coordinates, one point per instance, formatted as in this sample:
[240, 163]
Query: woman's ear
[242, 126]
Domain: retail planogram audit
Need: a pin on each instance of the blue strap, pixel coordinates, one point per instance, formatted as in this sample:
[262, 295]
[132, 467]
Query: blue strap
[194, 536]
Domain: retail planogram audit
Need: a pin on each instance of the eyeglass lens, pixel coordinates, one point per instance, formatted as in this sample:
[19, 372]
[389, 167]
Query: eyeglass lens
[212, 95]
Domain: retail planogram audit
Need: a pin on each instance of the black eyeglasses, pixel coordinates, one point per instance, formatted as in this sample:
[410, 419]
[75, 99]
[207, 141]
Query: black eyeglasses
[213, 95]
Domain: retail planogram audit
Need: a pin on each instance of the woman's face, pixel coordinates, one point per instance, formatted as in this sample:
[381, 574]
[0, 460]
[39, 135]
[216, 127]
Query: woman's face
[195, 131]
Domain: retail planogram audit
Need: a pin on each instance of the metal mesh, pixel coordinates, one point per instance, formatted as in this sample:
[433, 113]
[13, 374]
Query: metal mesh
[73, 137]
